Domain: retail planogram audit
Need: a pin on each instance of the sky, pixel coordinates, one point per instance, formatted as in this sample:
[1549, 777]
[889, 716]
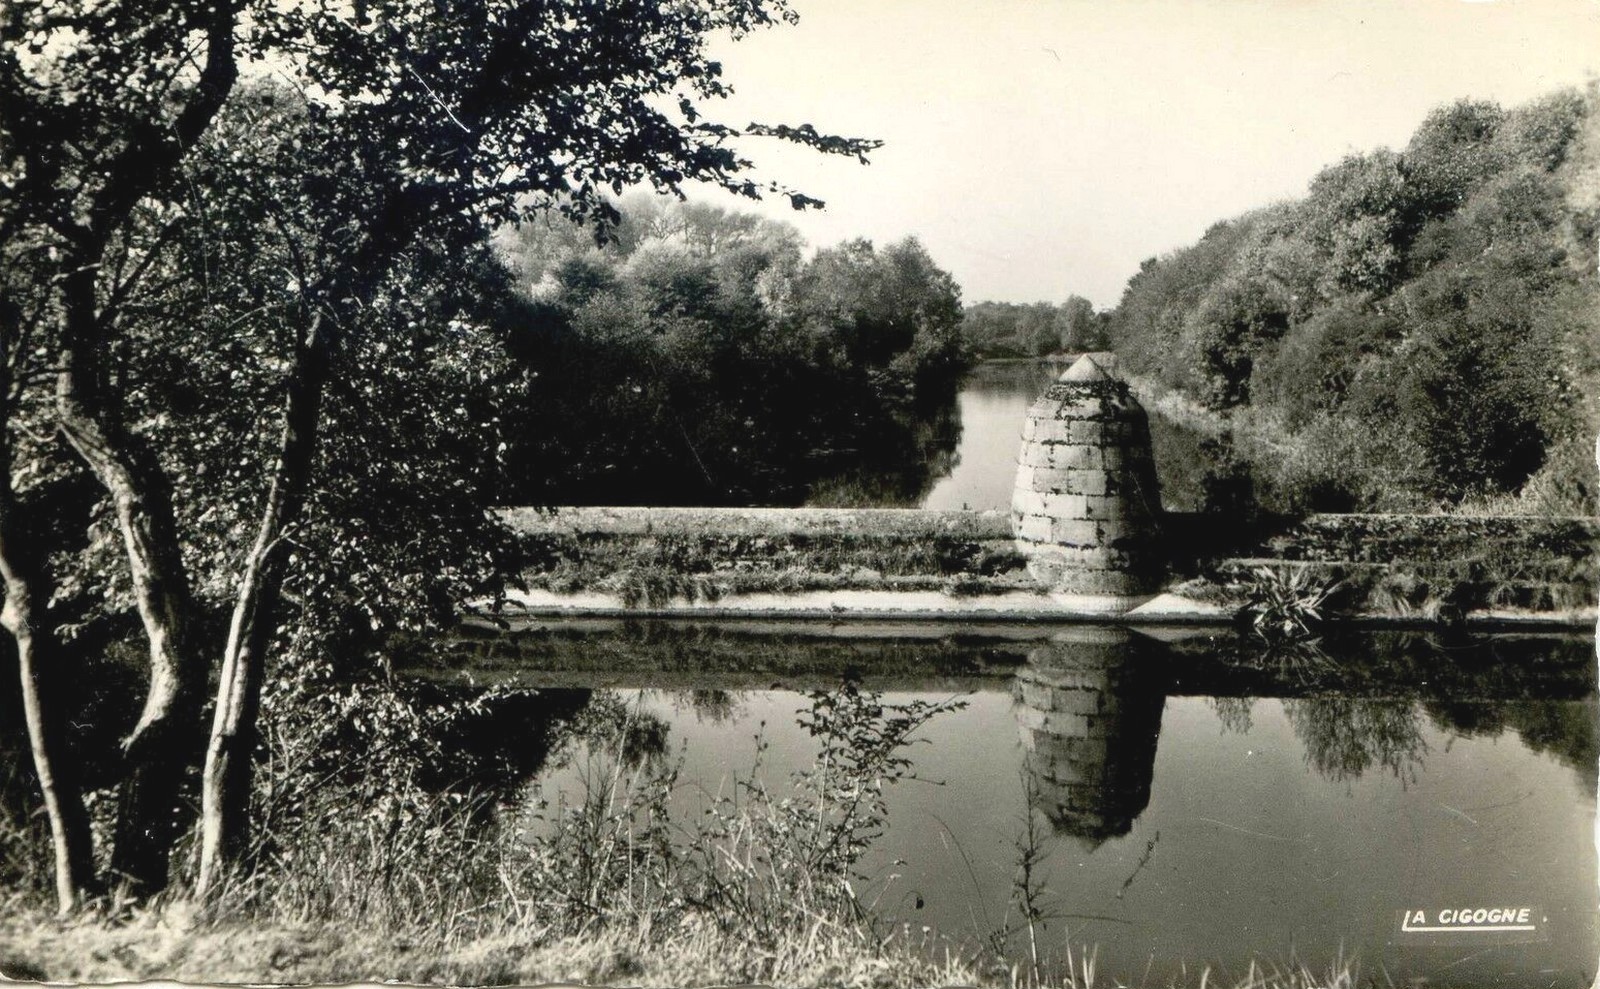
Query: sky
[1042, 148]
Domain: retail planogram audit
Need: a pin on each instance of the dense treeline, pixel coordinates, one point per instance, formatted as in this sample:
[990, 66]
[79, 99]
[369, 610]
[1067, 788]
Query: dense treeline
[994, 330]
[1422, 328]
[700, 358]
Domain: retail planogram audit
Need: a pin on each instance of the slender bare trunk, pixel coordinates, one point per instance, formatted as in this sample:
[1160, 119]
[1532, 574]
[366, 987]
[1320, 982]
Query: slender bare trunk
[37, 655]
[165, 742]
[226, 780]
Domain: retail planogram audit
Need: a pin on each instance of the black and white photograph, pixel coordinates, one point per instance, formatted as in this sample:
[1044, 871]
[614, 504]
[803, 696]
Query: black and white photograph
[1019, 494]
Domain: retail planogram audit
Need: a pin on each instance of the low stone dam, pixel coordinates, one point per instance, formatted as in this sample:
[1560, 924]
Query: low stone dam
[1086, 539]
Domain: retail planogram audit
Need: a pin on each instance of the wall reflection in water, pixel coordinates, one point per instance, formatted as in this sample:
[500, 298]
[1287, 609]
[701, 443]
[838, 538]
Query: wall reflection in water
[1089, 713]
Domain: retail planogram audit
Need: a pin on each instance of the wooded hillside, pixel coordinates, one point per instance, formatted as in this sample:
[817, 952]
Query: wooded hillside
[1423, 328]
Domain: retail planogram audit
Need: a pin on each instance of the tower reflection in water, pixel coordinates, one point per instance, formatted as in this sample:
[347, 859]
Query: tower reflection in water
[1089, 712]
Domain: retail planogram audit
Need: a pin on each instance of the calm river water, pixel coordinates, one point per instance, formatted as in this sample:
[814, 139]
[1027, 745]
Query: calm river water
[990, 408]
[1195, 804]
[991, 405]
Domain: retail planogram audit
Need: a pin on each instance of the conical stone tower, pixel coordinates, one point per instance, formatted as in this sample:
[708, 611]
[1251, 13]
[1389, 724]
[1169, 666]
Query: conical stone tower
[1089, 713]
[1086, 508]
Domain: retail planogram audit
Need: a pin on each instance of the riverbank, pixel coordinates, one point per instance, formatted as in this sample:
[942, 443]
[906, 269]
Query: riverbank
[170, 944]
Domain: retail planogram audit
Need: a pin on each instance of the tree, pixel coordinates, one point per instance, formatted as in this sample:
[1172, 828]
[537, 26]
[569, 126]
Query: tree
[97, 110]
[1451, 152]
[1080, 331]
[685, 367]
[417, 120]
[893, 309]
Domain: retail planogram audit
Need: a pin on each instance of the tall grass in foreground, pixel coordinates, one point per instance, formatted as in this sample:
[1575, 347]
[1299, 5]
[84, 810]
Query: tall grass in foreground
[762, 885]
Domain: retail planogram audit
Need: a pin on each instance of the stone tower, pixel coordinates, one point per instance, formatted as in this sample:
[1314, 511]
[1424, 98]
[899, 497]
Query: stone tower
[1089, 713]
[1086, 508]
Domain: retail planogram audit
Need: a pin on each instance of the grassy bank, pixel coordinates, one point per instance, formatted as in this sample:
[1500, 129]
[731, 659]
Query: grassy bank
[173, 945]
[618, 887]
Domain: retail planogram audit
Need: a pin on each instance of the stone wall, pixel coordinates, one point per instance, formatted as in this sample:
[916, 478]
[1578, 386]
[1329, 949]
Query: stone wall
[1438, 565]
[1392, 566]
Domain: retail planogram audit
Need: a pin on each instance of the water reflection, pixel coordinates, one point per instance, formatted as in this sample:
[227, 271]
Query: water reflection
[1089, 720]
[1345, 737]
[1297, 803]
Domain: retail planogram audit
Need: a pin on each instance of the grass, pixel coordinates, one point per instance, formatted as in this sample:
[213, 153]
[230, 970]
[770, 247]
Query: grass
[760, 887]
[173, 944]
[650, 572]
[614, 887]
[176, 944]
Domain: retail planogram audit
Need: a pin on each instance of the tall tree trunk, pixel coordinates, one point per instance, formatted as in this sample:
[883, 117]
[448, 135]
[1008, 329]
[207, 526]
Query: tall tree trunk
[165, 743]
[227, 775]
[226, 780]
[38, 653]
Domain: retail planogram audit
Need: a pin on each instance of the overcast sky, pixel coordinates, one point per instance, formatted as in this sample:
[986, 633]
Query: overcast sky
[1045, 147]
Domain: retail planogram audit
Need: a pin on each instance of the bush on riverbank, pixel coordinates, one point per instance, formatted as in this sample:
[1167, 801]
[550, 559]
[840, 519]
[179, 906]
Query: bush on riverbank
[1420, 330]
[700, 358]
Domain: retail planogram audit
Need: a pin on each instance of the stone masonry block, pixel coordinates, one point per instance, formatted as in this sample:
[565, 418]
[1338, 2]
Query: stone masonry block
[1062, 506]
[1090, 482]
[1090, 750]
[1066, 724]
[1030, 717]
[1037, 455]
[1036, 696]
[1104, 507]
[1083, 702]
[1086, 431]
[1047, 479]
[1026, 502]
[1073, 482]
[1052, 431]
[1078, 456]
[1074, 532]
[1035, 528]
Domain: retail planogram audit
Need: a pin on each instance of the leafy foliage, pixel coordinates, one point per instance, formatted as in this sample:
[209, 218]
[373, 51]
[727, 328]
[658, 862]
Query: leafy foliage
[699, 358]
[1417, 330]
[1004, 329]
[1285, 606]
[206, 265]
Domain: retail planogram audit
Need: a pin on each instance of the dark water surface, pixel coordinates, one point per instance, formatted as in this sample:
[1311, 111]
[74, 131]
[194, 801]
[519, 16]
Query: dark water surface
[1195, 803]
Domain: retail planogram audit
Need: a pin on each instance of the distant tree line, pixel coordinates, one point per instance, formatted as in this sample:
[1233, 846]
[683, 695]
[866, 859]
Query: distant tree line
[994, 330]
[1422, 328]
[700, 357]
